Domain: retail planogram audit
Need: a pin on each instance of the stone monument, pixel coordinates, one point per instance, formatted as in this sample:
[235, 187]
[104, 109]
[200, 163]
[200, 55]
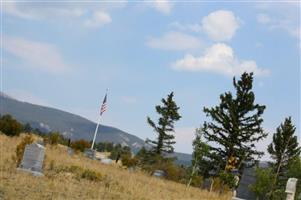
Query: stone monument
[33, 158]
[291, 188]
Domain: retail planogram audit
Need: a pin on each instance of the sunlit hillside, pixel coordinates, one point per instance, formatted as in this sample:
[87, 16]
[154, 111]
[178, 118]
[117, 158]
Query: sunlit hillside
[66, 178]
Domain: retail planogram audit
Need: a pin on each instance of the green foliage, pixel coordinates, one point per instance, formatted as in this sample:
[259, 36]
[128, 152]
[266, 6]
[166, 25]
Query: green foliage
[28, 139]
[227, 179]
[128, 161]
[263, 186]
[79, 172]
[80, 145]
[199, 155]
[104, 146]
[9, 126]
[168, 116]
[119, 151]
[284, 149]
[91, 175]
[150, 161]
[27, 128]
[235, 125]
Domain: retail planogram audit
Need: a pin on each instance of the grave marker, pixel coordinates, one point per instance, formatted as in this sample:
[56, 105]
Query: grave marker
[33, 158]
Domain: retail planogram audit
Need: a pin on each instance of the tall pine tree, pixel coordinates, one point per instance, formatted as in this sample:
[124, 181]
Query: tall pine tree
[235, 126]
[284, 148]
[168, 116]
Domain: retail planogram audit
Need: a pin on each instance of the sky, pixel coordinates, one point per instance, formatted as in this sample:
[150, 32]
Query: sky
[66, 54]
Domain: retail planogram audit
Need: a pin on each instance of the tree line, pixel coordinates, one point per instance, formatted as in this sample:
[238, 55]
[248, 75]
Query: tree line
[225, 144]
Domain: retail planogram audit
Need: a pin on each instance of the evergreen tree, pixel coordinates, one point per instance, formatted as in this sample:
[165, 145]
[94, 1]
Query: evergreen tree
[284, 148]
[235, 125]
[168, 115]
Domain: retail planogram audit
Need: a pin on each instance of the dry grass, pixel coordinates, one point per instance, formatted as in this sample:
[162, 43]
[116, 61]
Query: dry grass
[115, 183]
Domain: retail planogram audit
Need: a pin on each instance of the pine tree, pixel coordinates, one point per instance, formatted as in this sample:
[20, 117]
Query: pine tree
[168, 116]
[235, 125]
[284, 148]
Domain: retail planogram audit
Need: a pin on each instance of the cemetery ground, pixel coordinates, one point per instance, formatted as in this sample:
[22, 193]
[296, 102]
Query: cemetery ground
[77, 177]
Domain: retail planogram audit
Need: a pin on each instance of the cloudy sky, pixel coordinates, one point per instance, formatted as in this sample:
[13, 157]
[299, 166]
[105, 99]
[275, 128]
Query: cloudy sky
[65, 55]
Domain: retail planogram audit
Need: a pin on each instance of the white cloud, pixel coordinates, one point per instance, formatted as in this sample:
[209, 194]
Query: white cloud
[41, 12]
[286, 25]
[163, 6]
[37, 55]
[219, 58]
[174, 41]
[220, 25]
[98, 19]
[94, 16]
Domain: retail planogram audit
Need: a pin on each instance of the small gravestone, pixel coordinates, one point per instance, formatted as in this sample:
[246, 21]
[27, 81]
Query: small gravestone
[291, 188]
[159, 173]
[248, 178]
[106, 161]
[33, 158]
[70, 151]
[207, 184]
[90, 153]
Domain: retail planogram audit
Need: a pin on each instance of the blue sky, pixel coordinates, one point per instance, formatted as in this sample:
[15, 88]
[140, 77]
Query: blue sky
[65, 55]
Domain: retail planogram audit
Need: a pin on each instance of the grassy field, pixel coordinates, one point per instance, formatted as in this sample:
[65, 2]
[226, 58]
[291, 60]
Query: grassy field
[113, 182]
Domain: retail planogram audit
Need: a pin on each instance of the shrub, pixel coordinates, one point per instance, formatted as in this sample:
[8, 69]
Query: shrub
[91, 175]
[264, 183]
[79, 172]
[80, 145]
[21, 147]
[128, 161]
[227, 179]
[9, 126]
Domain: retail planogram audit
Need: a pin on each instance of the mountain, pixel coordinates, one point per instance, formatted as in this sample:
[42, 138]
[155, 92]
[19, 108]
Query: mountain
[70, 125]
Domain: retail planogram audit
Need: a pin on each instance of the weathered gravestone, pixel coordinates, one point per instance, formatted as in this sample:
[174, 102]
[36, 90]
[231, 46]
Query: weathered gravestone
[90, 153]
[207, 184]
[248, 178]
[159, 173]
[70, 151]
[33, 158]
[290, 189]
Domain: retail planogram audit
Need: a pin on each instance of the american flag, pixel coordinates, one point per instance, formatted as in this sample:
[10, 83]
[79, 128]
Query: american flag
[104, 105]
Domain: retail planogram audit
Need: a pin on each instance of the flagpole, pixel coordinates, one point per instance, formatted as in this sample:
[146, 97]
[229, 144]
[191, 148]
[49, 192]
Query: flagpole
[95, 133]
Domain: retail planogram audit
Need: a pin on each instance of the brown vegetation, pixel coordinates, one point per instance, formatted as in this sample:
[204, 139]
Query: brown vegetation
[77, 177]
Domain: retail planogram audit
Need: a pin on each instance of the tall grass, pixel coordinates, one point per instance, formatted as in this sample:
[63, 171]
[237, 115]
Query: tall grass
[82, 178]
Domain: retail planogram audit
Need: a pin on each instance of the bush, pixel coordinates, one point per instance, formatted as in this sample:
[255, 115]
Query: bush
[91, 175]
[9, 126]
[79, 172]
[80, 145]
[128, 161]
[227, 179]
[21, 147]
[264, 183]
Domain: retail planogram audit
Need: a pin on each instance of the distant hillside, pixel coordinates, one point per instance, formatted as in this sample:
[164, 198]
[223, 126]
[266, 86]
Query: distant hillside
[70, 125]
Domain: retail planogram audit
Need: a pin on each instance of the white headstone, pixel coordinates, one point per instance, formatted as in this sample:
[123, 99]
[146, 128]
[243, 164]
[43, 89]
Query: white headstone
[291, 188]
[33, 158]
